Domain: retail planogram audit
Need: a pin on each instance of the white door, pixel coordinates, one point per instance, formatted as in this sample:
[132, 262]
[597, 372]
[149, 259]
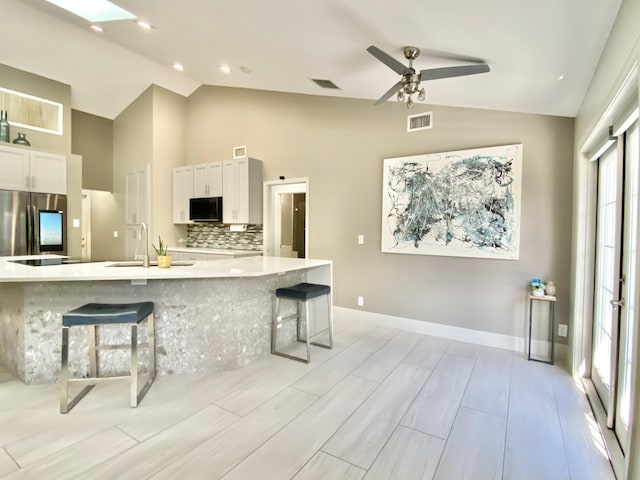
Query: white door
[628, 285]
[86, 225]
[615, 280]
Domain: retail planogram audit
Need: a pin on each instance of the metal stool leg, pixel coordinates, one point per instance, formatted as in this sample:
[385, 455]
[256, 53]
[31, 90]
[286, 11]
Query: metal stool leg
[134, 365]
[64, 372]
[306, 323]
[93, 355]
[274, 325]
[330, 314]
[151, 340]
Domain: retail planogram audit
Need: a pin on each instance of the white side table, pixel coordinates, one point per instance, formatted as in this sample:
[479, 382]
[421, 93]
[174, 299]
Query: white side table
[551, 300]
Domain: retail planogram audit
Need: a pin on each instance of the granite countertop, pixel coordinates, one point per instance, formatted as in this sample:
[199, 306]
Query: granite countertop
[216, 251]
[254, 266]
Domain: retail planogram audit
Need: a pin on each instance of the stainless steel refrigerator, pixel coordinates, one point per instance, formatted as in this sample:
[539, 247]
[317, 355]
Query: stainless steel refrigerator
[32, 223]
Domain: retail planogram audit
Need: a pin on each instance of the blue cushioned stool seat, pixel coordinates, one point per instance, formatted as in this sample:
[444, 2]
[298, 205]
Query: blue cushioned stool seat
[95, 315]
[102, 313]
[303, 291]
[302, 294]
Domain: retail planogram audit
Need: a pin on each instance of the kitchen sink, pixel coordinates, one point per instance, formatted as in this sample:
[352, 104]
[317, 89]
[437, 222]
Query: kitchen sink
[153, 263]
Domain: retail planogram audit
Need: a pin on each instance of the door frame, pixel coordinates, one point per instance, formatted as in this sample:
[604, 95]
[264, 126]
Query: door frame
[271, 214]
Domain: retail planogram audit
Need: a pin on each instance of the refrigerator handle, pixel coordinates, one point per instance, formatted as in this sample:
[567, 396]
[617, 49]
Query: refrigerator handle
[32, 236]
[28, 226]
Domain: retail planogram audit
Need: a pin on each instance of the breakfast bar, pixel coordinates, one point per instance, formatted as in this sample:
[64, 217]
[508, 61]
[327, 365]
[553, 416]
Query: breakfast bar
[210, 315]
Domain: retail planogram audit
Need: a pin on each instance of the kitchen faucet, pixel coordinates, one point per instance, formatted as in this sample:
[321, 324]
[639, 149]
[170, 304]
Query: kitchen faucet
[145, 259]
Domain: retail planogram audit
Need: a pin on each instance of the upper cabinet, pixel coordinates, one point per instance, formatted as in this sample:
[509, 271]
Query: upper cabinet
[242, 191]
[32, 171]
[137, 196]
[207, 180]
[183, 180]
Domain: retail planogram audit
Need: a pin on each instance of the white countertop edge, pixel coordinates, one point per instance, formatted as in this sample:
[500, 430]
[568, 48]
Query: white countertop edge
[255, 266]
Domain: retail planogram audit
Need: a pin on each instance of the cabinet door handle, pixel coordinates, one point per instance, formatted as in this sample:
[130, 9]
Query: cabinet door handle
[27, 182]
[33, 181]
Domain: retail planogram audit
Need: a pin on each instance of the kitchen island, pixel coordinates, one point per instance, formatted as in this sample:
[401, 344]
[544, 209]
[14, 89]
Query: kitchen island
[210, 315]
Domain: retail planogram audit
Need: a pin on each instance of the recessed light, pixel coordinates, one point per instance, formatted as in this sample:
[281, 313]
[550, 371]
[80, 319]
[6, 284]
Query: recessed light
[94, 10]
[561, 77]
[97, 28]
[178, 66]
[246, 70]
[144, 25]
[225, 68]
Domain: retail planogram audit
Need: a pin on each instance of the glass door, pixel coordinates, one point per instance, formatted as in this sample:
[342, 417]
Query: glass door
[607, 276]
[628, 284]
[615, 279]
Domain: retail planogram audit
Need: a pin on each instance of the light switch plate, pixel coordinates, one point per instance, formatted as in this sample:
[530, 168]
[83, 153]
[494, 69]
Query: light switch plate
[562, 330]
[360, 239]
[361, 301]
[115, 234]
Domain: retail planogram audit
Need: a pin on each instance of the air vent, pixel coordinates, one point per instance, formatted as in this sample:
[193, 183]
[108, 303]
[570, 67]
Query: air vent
[325, 83]
[421, 121]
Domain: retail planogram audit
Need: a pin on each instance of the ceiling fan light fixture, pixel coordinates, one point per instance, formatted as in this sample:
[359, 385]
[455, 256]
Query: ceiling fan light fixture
[422, 95]
[409, 102]
[400, 96]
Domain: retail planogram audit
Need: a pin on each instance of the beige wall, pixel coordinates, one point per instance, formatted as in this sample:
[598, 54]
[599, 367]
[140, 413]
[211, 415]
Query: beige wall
[92, 137]
[151, 131]
[169, 151]
[340, 145]
[132, 148]
[42, 87]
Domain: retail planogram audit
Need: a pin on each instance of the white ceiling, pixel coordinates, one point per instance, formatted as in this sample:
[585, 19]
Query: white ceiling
[285, 43]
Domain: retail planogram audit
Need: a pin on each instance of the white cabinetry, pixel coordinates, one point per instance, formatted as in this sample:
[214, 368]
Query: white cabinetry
[207, 180]
[182, 192]
[32, 171]
[137, 210]
[242, 191]
[137, 196]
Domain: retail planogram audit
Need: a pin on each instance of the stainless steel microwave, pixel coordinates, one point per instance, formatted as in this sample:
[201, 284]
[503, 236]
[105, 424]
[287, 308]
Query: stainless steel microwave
[208, 209]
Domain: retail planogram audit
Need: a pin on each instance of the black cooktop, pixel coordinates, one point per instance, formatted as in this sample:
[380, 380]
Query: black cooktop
[43, 262]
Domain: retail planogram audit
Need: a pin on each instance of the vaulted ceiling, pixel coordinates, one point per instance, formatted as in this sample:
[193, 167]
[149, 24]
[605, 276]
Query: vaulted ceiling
[542, 54]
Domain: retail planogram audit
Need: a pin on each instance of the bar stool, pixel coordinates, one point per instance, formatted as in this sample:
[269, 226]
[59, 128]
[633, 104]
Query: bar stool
[301, 293]
[94, 315]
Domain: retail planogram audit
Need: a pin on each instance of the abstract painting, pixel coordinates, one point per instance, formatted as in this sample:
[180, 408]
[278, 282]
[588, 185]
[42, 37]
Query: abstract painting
[464, 203]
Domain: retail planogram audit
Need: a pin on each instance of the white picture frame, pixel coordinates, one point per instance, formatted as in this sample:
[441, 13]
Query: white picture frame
[463, 203]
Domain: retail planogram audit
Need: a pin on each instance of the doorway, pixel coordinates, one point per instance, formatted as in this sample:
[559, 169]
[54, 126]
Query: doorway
[286, 218]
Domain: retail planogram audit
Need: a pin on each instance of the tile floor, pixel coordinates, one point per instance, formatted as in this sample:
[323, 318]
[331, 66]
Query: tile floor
[384, 404]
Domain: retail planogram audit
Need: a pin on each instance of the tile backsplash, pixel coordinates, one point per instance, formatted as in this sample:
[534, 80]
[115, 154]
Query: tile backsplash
[218, 235]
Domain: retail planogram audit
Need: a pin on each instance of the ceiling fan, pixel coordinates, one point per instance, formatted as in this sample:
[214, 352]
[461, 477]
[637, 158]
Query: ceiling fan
[410, 81]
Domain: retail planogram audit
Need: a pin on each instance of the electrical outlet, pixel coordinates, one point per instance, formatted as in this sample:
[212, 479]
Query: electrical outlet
[115, 234]
[562, 330]
[361, 301]
[360, 239]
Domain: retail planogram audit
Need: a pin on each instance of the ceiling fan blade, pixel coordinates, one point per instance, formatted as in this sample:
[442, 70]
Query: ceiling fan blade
[448, 72]
[395, 89]
[388, 60]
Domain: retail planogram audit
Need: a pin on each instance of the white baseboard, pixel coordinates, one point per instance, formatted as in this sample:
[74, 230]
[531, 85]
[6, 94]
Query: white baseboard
[479, 337]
